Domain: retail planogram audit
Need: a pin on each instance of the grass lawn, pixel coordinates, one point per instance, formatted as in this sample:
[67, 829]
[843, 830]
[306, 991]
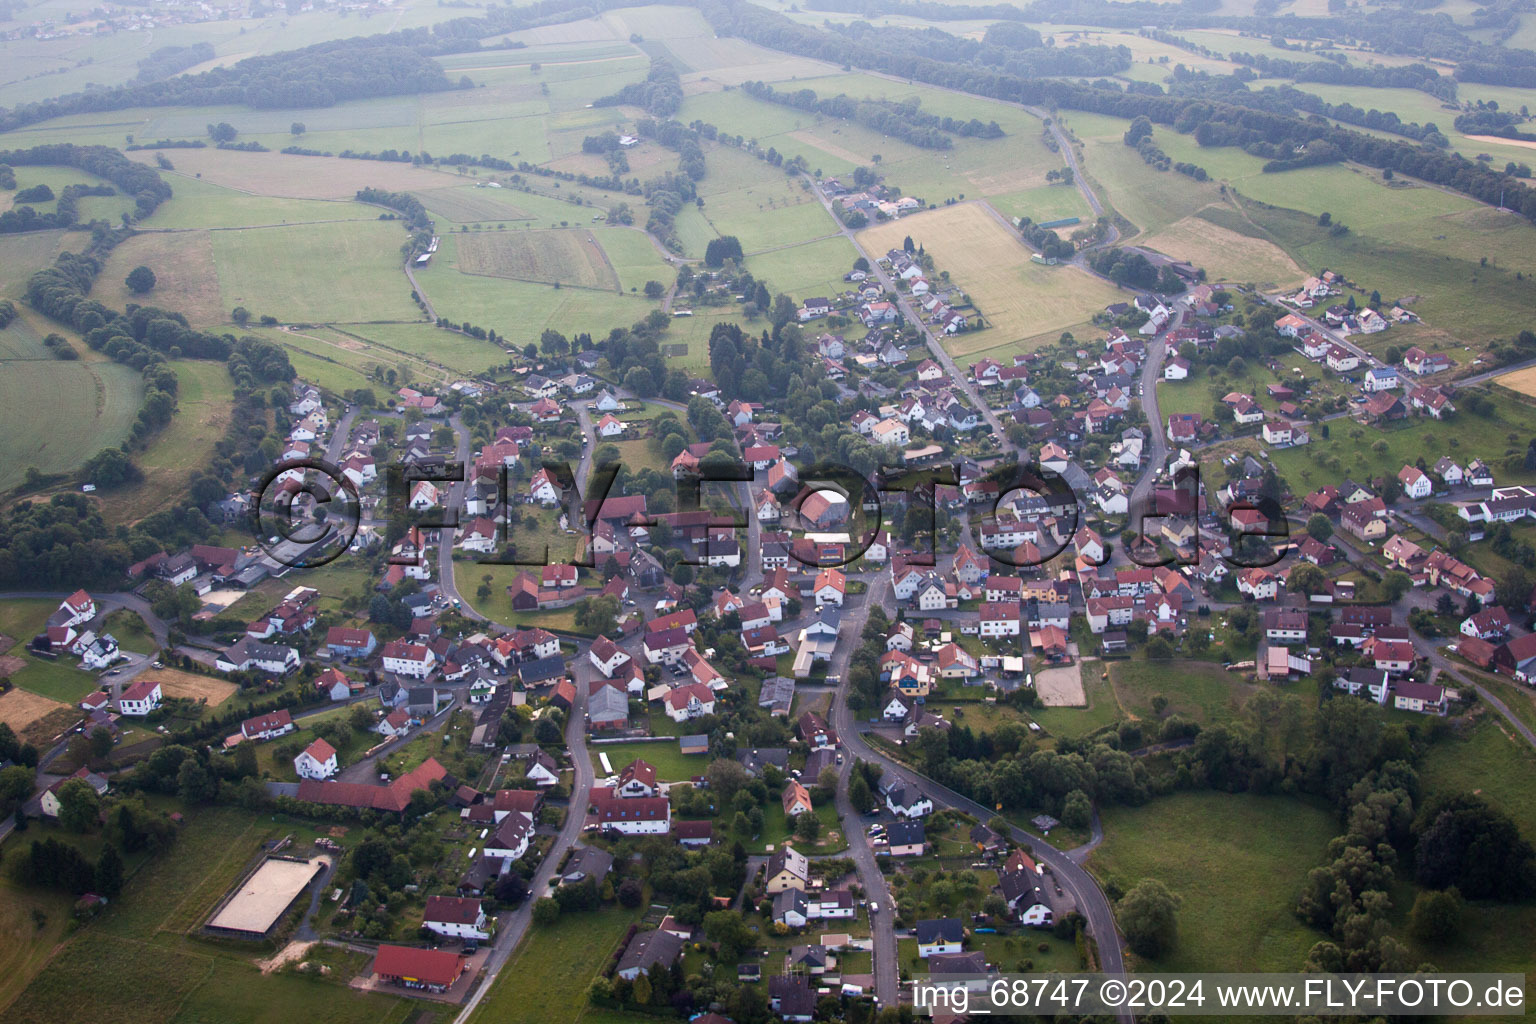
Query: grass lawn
[672, 765]
[1490, 760]
[1103, 707]
[32, 922]
[1464, 438]
[1236, 861]
[130, 631]
[1198, 691]
[56, 679]
[547, 980]
[777, 830]
[274, 765]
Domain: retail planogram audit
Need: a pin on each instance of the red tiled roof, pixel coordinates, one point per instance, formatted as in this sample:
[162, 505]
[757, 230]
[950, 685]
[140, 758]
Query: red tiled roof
[429, 966]
[452, 910]
[393, 797]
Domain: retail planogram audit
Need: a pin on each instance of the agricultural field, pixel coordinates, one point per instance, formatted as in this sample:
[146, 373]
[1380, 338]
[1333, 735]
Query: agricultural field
[1236, 862]
[745, 197]
[1414, 243]
[1227, 255]
[295, 177]
[91, 403]
[1522, 381]
[1019, 299]
[270, 271]
[200, 204]
[568, 258]
[205, 395]
[521, 310]
[390, 344]
[186, 278]
[23, 255]
[803, 271]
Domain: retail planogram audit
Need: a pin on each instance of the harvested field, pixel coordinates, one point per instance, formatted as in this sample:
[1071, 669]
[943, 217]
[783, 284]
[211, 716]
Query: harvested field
[471, 205]
[549, 257]
[1499, 140]
[1523, 381]
[10, 664]
[175, 683]
[1227, 255]
[297, 177]
[1017, 298]
[22, 710]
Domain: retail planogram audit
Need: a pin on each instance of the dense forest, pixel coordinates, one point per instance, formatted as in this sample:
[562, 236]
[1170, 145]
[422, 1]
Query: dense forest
[316, 76]
[660, 93]
[172, 60]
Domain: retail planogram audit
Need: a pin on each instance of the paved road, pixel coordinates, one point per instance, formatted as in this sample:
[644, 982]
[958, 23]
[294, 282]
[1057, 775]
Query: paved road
[881, 926]
[512, 927]
[1154, 453]
[1073, 878]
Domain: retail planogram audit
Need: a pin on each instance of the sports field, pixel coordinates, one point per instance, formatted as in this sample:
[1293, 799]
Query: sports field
[565, 257]
[1020, 299]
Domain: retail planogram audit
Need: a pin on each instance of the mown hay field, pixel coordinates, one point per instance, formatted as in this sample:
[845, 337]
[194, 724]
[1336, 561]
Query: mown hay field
[1227, 255]
[548, 257]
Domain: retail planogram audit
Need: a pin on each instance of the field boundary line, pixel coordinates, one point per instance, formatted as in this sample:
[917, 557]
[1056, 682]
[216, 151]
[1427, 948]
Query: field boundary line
[228, 851]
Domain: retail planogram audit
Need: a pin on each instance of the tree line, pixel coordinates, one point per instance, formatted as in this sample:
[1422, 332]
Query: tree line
[146, 186]
[905, 121]
[315, 76]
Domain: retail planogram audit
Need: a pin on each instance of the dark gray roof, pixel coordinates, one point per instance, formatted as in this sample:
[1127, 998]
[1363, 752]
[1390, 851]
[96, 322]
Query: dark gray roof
[788, 900]
[940, 929]
[541, 671]
[588, 862]
[753, 759]
[902, 833]
[648, 948]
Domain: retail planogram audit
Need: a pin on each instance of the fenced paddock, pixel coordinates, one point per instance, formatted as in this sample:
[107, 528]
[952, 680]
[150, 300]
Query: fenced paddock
[255, 906]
